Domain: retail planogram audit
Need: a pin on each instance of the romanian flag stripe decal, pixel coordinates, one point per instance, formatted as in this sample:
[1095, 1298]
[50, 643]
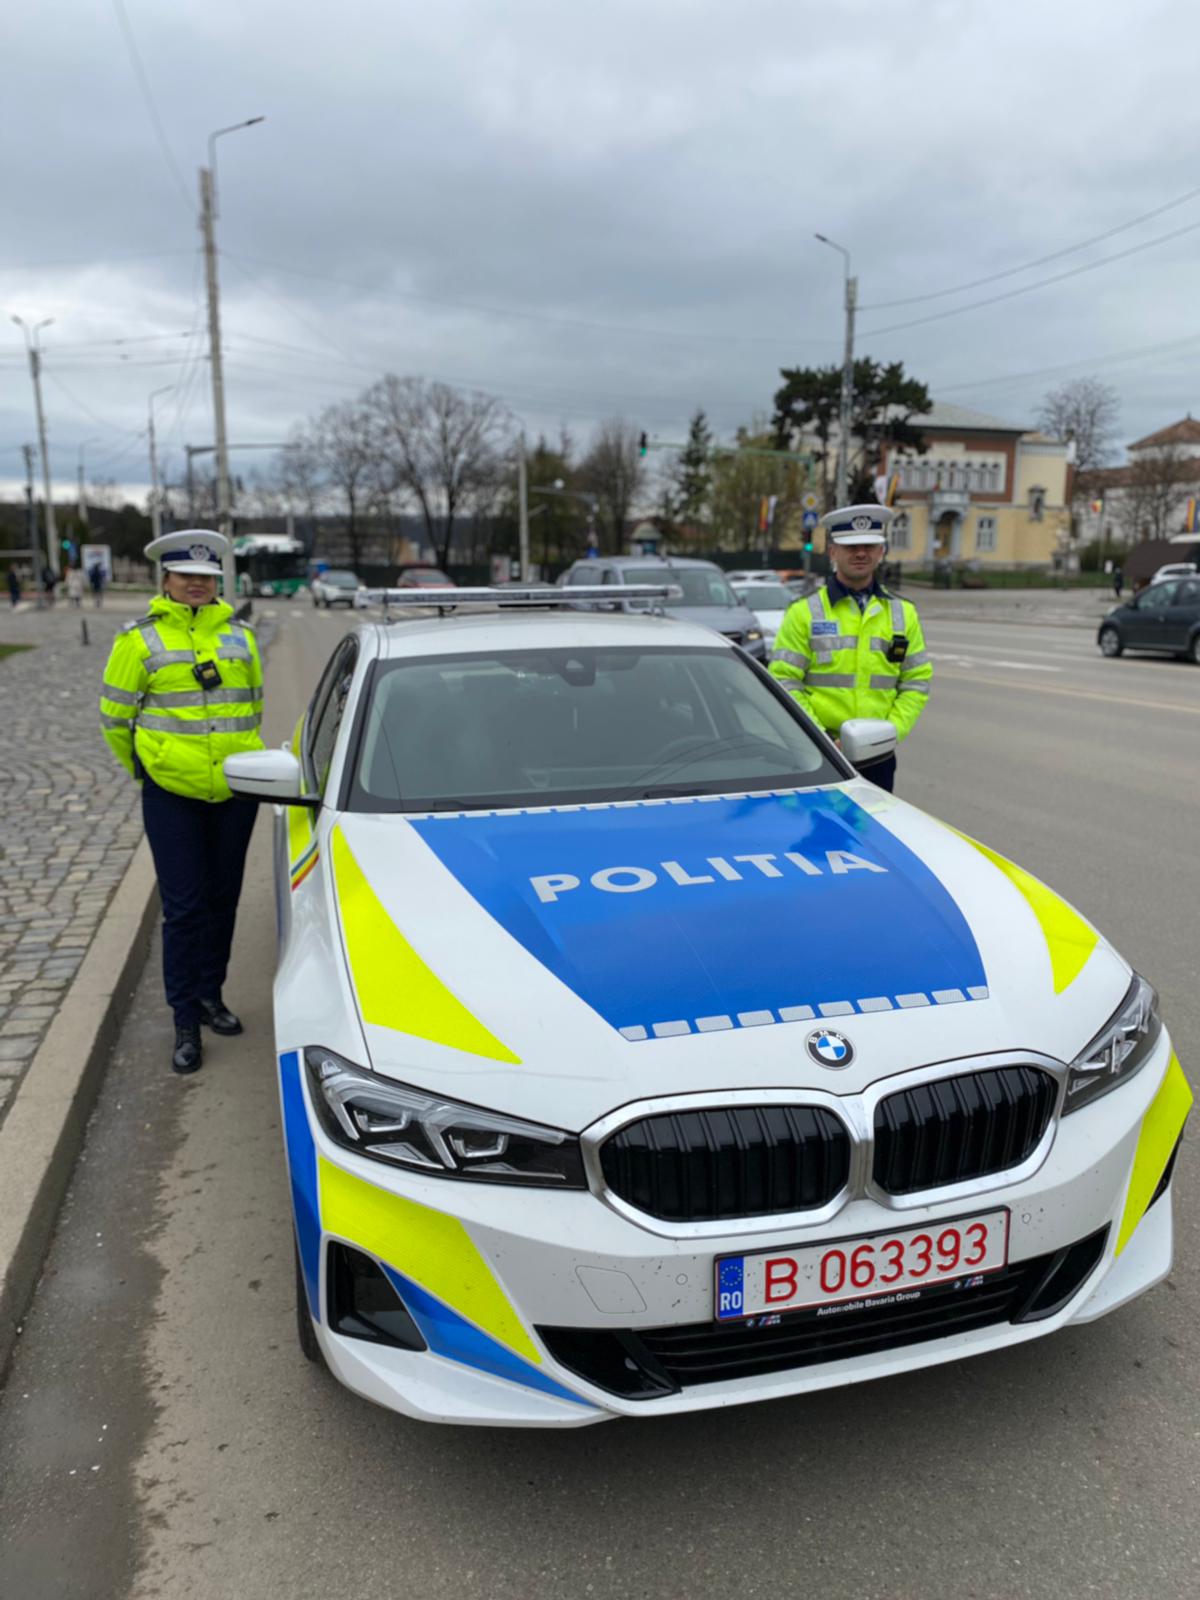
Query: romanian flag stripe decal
[305, 864]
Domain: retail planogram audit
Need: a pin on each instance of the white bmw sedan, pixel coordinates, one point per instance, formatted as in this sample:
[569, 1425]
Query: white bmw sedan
[569, 1139]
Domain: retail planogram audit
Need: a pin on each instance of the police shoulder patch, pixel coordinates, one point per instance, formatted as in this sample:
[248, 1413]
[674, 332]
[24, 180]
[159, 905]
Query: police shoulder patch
[824, 627]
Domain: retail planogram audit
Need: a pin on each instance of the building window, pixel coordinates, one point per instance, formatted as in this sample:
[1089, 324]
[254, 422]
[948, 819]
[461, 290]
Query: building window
[898, 533]
[985, 534]
[1037, 504]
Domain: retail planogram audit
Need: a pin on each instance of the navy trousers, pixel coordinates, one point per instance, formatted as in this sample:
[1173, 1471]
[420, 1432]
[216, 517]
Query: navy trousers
[199, 850]
[882, 773]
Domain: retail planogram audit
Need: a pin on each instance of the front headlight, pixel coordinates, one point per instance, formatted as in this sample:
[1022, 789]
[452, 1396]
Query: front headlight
[753, 634]
[1119, 1050]
[406, 1127]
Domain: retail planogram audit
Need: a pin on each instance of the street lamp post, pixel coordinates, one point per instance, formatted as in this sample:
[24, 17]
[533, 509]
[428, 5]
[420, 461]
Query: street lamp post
[843, 470]
[82, 509]
[208, 214]
[35, 369]
[155, 500]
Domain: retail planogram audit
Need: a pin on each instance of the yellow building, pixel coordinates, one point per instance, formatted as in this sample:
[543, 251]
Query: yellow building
[985, 494]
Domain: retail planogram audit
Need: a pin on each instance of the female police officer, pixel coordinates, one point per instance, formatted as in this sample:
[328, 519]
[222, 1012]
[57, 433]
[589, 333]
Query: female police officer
[182, 690]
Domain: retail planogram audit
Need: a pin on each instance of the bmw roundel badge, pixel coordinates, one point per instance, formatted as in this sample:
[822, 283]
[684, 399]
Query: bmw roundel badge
[830, 1049]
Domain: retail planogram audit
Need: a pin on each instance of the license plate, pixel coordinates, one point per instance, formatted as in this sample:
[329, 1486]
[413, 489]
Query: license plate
[900, 1262]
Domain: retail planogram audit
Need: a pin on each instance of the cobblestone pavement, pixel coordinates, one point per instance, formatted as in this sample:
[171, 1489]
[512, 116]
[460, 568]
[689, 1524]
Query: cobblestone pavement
[70, 817]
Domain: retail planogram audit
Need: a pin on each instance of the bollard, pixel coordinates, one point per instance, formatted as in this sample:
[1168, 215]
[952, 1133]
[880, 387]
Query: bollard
[83, 630]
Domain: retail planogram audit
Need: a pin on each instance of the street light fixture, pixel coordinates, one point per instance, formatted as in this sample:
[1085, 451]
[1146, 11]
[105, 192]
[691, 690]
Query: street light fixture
[35, 365]
[843, 471]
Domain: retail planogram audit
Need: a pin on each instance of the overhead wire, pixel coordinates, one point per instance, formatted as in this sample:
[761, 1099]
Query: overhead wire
[143, 81]
[1038, 261]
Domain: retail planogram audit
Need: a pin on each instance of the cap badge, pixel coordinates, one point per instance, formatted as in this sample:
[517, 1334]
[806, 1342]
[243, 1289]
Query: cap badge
[200, 552]
[862, 524]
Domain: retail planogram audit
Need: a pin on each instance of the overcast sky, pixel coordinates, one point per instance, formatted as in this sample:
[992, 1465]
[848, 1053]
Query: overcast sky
[589, 209]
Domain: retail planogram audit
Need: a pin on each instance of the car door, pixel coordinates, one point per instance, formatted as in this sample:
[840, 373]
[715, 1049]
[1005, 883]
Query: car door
[1147, 629]
[1182, 614]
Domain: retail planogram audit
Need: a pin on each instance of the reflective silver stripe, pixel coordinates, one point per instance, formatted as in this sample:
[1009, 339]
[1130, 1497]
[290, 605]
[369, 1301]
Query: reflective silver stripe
[883, 681]
[881, 644]
[188, 725]
[121, 697]
[897, 615]
[158, 656]
[814, 605]
[115, 722]
[170, 698]
[832, 680]
[922, 658]
[835, 641]
[914, 688]
[792, 657]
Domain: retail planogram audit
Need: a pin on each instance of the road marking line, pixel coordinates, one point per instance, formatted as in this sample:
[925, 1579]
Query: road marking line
[1017, 666]
[1077, 694]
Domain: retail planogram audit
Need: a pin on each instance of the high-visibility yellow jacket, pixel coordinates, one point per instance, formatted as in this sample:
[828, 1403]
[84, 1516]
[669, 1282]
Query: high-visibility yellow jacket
[159, 720]
[834, 658]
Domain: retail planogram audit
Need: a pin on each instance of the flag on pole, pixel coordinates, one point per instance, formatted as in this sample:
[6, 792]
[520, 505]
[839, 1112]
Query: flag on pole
[1097, 506]
[1189, 518]
[763, 518]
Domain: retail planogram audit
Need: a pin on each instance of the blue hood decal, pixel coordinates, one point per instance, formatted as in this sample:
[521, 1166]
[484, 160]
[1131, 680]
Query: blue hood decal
[705, 914]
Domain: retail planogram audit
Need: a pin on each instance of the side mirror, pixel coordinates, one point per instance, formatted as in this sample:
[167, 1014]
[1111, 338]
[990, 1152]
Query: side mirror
[272, 775]
[864, 739]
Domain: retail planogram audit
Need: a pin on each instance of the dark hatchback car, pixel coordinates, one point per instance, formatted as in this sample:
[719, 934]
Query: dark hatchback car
[1164, 618]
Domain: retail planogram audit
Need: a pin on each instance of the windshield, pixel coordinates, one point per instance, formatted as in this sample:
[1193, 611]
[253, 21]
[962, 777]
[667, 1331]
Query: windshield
[701, 586]
[765, 596]
[340, 580]
[552, 727]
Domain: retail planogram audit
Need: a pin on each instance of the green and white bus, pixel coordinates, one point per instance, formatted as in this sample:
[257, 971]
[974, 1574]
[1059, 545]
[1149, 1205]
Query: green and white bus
[269, 564]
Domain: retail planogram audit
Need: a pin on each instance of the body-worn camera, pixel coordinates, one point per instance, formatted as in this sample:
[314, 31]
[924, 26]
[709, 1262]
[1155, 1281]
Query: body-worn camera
[898, 648]
[207, 674]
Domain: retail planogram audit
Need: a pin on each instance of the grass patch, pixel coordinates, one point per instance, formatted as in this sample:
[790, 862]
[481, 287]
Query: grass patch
[12, 649]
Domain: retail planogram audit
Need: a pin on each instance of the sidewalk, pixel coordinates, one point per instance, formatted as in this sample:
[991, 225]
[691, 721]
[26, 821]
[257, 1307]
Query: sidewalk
[1055, 608]
[70, 819]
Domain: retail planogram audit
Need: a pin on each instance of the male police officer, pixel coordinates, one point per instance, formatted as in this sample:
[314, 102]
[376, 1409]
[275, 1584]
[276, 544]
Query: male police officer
[182, 690]
[852, 649]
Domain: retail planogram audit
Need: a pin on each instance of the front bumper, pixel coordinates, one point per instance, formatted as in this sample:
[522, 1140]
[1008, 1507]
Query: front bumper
[534, 1305]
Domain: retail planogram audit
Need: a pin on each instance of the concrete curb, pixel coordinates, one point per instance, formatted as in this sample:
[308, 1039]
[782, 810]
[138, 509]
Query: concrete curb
[43, 1131]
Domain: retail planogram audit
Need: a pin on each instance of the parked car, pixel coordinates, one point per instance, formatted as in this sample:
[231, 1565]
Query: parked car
[706, 597]
[1175, 569]
[567, 1142]
[1163, 617]
[424, 578]
[769, 603]
[335, 587]
[758, 575]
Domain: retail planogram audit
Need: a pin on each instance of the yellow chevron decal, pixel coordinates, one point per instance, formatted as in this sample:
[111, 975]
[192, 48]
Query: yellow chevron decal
[1069, 939]
[1161, 1127]
[395, 988]
[433, 1249]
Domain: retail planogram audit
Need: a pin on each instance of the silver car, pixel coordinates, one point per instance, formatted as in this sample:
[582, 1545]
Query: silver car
[706, 596]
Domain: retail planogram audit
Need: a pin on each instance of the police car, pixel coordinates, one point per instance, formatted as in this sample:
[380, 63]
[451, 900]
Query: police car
[568, 1140]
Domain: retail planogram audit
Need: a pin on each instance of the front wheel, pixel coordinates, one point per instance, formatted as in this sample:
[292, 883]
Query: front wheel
[1110, 642]
[1194, 648]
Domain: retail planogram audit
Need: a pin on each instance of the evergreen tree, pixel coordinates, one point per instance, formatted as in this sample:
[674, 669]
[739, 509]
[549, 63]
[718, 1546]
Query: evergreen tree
[691, 476]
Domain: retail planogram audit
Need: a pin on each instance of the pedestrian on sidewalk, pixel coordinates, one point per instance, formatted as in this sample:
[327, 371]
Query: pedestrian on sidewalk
[75, 586]
[1118, 577]
[14, 587]
[96, 579]
[182, 690]
[854, 649]
[49, 583]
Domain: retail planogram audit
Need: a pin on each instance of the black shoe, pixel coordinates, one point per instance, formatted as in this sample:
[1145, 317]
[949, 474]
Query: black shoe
[216, 1015]
[188, 1052]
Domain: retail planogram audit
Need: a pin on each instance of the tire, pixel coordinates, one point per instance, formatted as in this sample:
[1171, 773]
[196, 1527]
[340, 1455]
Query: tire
[1111, 643]
[305, 1334]
[1193, 648]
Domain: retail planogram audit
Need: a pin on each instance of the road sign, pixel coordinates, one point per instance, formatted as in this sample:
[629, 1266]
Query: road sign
[809, 521]
[809, 502]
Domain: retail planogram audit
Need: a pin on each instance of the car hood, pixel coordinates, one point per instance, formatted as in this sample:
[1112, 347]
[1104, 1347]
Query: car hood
[561, 962]
[722, 619]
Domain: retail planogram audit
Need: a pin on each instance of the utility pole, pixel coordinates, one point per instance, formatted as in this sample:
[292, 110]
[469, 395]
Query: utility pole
[35, 369]
[155, 495]
[81, 504]
[208, 215]
[845, 407]
[523, 509]
[30, 509]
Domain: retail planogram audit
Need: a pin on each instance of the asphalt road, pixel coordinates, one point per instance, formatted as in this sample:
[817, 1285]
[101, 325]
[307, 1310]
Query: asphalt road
[160, 1434]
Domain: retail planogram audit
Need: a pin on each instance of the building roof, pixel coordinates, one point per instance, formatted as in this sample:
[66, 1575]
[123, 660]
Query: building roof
[959, 419]
[1185, 431]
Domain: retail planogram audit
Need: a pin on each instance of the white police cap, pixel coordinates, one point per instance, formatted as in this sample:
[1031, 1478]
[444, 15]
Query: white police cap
[197, 550]
[858, 524]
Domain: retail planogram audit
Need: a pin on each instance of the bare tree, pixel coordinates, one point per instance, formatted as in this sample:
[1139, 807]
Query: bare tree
[740, 484]
[612, 471]
[345, 455]
[1155, 490]
[442, 446]
[1085, 411]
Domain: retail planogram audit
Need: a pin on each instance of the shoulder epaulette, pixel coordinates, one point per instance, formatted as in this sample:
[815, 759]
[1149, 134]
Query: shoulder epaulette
[138, 622]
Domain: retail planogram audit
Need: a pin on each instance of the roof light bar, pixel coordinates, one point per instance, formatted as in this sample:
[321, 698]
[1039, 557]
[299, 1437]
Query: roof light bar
[443, 600]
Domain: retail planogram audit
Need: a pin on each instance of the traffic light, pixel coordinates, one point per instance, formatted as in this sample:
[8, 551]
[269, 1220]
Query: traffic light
[642, 445]
[808, 544]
